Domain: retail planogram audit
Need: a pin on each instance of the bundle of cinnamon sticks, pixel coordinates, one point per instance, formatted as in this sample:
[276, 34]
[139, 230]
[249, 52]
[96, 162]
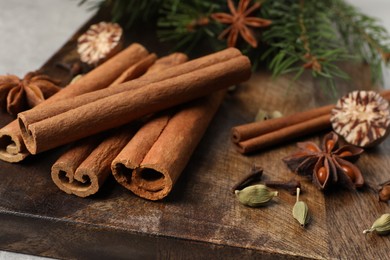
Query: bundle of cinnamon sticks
[142, 122]
[12, 148]
[83, 169]
[256, 136]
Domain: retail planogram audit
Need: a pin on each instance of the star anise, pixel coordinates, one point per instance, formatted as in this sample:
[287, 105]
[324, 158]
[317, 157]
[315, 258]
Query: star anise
[327, 166]
[239, 22]
[17, 94]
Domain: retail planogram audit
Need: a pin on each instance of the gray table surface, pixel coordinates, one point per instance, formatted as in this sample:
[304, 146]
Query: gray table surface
[32, 30]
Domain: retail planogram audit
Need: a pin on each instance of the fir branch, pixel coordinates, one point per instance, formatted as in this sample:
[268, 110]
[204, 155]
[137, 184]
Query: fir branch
[186, 22]
[302, 37]
[305, 35]
[363, 36]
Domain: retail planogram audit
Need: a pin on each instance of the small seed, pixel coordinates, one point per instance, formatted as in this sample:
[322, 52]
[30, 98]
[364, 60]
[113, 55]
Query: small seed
[311, 148]
[322, 175]
[349, 172]
[384, 193]
[345, 153]
[330, 145]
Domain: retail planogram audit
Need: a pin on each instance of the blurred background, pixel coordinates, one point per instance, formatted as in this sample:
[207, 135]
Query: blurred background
[32, 31]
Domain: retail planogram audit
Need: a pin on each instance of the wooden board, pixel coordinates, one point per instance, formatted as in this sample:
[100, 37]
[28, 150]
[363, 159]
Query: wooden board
[201, 217]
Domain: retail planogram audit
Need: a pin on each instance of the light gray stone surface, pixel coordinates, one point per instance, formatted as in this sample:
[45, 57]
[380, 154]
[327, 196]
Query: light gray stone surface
[32, 30]
[14, 256]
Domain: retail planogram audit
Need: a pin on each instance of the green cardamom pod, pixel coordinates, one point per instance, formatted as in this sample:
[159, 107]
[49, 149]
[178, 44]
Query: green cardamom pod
[300, 211]
[381, 226]
[276, 114]
[255, 195]
[262, 115]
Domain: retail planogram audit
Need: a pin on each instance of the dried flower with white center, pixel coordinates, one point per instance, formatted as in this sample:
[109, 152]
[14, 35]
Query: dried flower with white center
[99, 42]
[362, 118]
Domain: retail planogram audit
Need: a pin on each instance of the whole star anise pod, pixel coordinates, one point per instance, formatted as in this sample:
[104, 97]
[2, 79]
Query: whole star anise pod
[327, 166]
[17, 94]
[239, 22]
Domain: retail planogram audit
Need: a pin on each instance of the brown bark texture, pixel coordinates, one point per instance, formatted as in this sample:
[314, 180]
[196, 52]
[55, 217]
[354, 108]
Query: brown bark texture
[118, 109]
[83, 169]
[12, 147]
[155, 157]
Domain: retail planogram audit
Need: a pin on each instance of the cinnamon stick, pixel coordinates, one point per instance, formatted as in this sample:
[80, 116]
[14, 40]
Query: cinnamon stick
[284, 134]
[255, 136]
[41, 113]
[118, 109]
[153, 160]
[136, 70]
[83, 169]
[12, 148]
[248, 131]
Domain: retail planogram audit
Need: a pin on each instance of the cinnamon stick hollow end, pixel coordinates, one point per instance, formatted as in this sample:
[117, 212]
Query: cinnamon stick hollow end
[12, 147]
[64, 171]
[151, 183]
[154, 175]
[80, 183]
[147, 181]
[235, 135]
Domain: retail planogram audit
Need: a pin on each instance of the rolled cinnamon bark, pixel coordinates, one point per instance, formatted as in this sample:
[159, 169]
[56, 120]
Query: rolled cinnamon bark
[251, 130]
[41, 113]
[284, 134]
[83, 169]
[124, 107]
[153, 160]
[12, 148]
[136, 70]
[64, 169]
[256, 136]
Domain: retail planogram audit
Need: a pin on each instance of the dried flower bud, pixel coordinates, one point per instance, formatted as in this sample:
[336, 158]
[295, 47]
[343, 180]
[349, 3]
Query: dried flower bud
[362, 118]
[381, 226]
[99, 42]
[255, 195]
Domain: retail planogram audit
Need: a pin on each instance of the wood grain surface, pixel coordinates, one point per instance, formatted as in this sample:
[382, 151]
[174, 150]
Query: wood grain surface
[201, 217]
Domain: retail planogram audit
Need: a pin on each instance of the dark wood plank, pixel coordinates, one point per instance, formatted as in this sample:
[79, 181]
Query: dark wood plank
[201, 218]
